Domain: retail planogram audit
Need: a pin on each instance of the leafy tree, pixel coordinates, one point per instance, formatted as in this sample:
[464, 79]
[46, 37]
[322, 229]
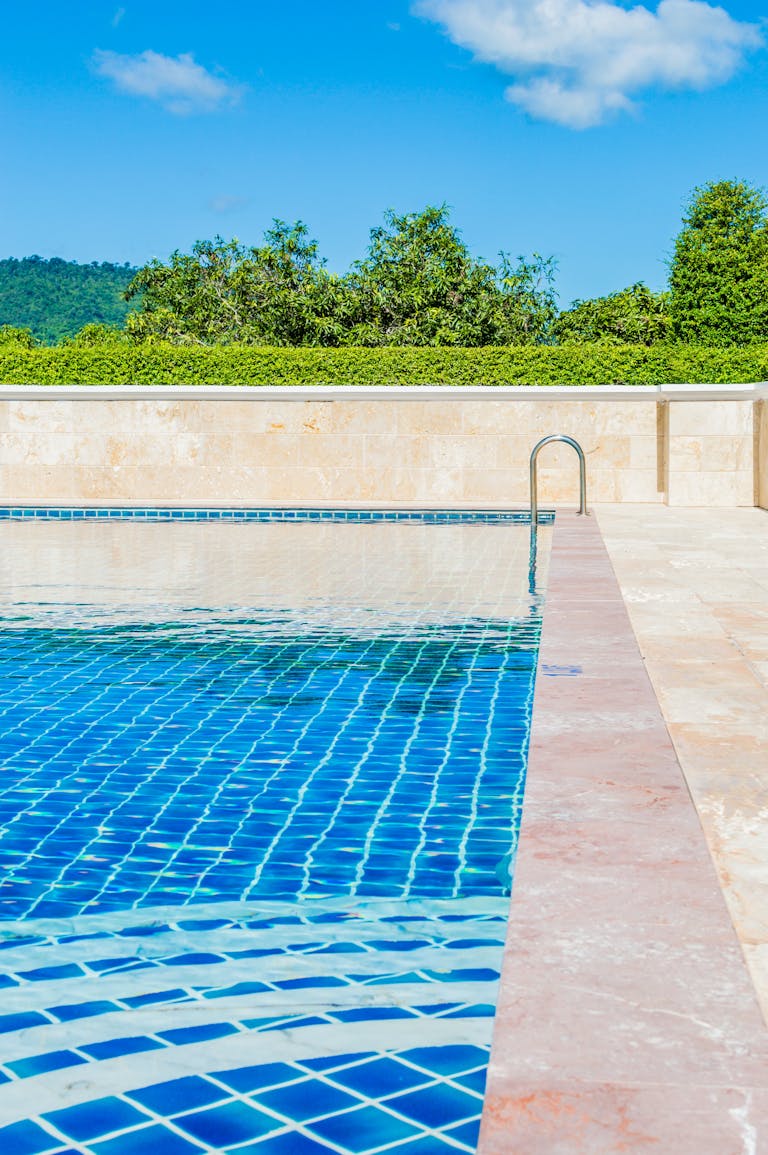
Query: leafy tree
[419, 285]
[96, 334]
[56, 298]
[223, 292]
[15, 335]
[634, 316]
[719, 270]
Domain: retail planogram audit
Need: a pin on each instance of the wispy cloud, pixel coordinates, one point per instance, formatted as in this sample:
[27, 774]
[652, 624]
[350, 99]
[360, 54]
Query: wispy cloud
[576, 62]
[226, 203]
[118, 16]
[178, 83]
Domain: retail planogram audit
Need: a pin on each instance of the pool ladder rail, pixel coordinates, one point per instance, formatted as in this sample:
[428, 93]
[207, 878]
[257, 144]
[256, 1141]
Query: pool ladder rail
[534, 482]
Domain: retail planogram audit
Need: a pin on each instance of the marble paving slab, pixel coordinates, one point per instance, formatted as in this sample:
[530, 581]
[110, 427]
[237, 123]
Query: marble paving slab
[627, 1020]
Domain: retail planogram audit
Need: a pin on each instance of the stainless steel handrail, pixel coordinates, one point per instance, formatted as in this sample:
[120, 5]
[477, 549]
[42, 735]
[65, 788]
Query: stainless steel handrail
[534, 475]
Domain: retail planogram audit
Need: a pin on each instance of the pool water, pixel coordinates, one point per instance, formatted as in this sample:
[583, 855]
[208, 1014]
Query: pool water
[261, 788]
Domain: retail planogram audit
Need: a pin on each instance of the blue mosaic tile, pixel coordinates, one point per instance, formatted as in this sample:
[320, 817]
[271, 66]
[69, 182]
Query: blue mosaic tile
[363, 1130]
[435, 1106]
[294, 1143]
[70, 1011]
[452, 1060]
[222, 1127]
[309, 1100]
[245, 1079]
[178, 1095]
[21, 1022]
[177, 995]
[156, 1140]
[467, 1133]
[112, 1048]
[474, 1080]
[371, 1014]
[231, 757]
[331, 1062]
[284, 846]
[181, 1035]
[430, 1145]
[96, 1118]
[423, 516]
[39, 1064]
[45, 974]
[26, 1138]
[380, 1077]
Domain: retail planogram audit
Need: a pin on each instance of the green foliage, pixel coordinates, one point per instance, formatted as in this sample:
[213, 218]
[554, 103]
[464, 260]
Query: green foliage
[56, 298]
[719, 271]
[418, 285]
[97, 334]
[14, 335]
[634, 316]
[157, 363]
[222, 293]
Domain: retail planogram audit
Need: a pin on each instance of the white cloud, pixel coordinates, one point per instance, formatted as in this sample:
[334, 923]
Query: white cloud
[178, 83]
[226, 203]
[576, 62]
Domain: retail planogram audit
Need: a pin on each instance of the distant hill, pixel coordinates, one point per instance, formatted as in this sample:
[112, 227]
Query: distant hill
[55, 298]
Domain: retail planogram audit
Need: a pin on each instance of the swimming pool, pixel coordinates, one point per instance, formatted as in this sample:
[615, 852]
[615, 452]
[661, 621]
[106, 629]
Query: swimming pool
[261, 790]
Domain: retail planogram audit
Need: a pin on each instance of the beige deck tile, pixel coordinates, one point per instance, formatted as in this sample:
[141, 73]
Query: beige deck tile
[700, 691]
[700, 615]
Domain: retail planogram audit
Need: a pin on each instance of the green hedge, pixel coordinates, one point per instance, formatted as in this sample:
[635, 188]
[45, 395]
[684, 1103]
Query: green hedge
[598, 364]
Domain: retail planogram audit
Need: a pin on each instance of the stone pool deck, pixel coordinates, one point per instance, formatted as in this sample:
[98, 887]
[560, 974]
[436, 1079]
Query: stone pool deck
[695, 583]
[627, 1019]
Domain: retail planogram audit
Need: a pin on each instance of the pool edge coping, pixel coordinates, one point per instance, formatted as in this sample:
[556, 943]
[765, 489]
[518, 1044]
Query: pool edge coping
[612, 1026]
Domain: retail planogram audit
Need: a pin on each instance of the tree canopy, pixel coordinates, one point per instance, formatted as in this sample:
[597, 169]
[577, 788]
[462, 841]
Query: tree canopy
[634, 316]
[417, 285]
[54, 298]
[719, 270]
[223, 292]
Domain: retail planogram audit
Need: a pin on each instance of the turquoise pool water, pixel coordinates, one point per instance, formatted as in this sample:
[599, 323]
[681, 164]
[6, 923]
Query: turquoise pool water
[261, 792]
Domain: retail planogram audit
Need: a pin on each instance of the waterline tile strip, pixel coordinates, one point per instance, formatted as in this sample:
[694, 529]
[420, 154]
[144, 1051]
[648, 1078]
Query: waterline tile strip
[170, 513]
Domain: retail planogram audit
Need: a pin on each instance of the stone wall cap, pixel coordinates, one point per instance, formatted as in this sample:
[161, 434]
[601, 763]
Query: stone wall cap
[75, 392]
[727, 392]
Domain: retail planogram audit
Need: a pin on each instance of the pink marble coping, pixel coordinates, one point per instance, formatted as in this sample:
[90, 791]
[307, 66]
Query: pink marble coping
[626, 1019]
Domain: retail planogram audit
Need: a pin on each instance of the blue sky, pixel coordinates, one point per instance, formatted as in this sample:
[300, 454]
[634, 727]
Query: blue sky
[576, 128]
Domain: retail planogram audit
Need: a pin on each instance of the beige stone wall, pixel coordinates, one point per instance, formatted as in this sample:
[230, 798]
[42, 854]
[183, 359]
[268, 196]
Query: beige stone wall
[213, 451]
[439, 447]
[762, 453]
[710, 448]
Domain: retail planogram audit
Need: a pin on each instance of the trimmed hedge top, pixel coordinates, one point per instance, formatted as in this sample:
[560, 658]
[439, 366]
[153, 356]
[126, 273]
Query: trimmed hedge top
[121, 363]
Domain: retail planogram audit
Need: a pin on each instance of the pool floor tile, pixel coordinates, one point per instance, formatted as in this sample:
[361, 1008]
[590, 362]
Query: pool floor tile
[178, 1095]
[380, 1077]
[232, 1123]
[301, 1102]
[147, 1141]
[97, 1117]
[26, 1138]
[363, 1129]
[435, 1106]
[292, 1143]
